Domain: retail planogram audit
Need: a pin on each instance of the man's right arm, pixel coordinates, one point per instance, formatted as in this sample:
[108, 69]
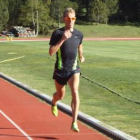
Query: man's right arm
[54, 48]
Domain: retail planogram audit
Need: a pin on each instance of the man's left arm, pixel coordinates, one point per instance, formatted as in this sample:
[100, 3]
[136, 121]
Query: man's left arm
[80, 52]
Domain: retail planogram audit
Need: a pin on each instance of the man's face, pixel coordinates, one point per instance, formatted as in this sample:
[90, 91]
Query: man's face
[69, 20]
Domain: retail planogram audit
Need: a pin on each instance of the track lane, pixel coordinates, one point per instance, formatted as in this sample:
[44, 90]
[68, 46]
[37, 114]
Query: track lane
[7, 130]
[35, 118]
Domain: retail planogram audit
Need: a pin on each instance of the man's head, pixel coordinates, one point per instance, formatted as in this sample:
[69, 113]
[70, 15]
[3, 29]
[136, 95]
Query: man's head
[69, 18]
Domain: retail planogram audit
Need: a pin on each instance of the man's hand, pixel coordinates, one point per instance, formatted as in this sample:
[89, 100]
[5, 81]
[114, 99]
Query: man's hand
[82, 59]
[67, 34]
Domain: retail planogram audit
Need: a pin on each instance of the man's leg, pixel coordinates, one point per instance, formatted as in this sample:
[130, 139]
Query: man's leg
[74, 86]
[58, 95]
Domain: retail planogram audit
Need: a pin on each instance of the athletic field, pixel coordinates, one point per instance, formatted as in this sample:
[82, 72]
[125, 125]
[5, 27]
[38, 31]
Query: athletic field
[110, 80]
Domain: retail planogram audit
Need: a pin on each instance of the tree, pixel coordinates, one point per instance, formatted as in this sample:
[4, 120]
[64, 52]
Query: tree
[101, 10]
[14, 11]
[58, 7]
[98, 11]
[83, 9]
[129, 10]
[35, 13]
[4, 14]
[112, 6]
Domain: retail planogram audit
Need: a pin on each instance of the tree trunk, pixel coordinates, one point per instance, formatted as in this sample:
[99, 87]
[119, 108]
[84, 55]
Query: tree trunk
[37, 24]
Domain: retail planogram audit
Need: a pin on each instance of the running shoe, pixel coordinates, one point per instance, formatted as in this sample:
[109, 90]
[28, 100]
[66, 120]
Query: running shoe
[54, 110]
[74, 127]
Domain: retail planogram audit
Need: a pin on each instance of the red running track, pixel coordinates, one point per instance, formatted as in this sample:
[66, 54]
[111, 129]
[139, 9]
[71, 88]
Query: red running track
[23, 116]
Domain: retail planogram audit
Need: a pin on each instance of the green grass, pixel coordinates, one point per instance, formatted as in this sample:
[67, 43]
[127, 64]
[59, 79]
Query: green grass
[103, 30]
[114, 64]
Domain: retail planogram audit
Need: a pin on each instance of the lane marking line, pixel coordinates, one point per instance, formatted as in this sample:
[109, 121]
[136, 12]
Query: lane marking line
[25, 134]
[12, 59]
[12, 53]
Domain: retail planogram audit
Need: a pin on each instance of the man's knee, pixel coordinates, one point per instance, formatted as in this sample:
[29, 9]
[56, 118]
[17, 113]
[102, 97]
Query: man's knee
[61, 96]
[75, 95]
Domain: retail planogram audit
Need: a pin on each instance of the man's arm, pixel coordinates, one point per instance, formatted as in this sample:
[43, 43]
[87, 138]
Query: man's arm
[80, 52]
[54, 48]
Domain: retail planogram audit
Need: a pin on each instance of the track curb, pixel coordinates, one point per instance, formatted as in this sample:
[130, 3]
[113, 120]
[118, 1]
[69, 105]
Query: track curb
[96, 124]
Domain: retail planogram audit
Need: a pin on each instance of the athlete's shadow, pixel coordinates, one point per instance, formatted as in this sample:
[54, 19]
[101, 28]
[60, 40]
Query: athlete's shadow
[44, 137]
[41, 137]
[7, 128]
[32, 136]
[17, 136]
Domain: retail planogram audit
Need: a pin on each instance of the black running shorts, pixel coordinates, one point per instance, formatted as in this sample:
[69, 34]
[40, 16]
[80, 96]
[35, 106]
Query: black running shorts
[62, 76]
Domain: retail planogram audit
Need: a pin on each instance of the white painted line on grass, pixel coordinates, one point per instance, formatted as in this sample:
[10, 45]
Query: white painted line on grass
[12, 53]
[12, 59]
[26, 135]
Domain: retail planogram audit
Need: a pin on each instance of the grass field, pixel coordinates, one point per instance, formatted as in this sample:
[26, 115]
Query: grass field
[109, 64]
[103, 30]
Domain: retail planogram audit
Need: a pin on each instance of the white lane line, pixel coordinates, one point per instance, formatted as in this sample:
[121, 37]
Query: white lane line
[25, 134]
[12, 53]
[12, 59]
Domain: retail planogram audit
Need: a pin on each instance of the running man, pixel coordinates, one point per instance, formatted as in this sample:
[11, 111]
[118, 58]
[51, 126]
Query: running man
[66, 42]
